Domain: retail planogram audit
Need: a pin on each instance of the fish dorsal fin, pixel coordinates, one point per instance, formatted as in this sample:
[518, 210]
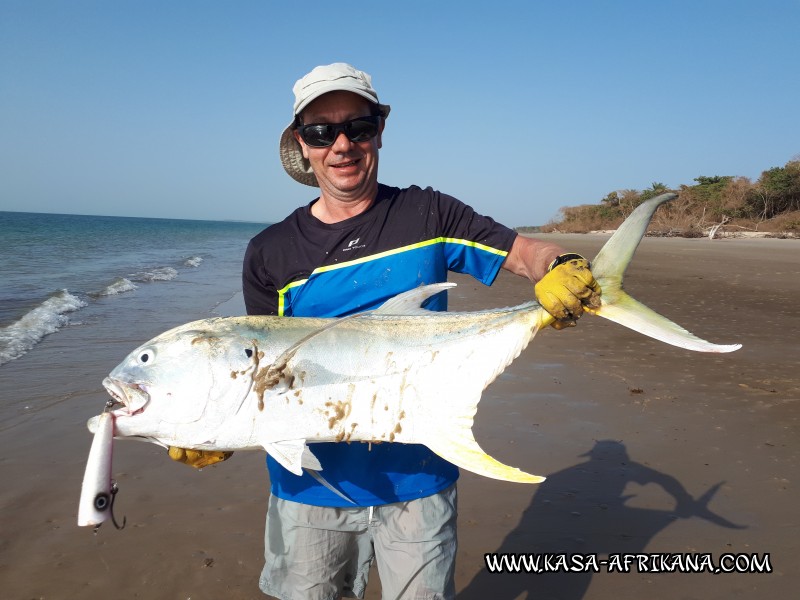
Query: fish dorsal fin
[293, 455]
[410, 302]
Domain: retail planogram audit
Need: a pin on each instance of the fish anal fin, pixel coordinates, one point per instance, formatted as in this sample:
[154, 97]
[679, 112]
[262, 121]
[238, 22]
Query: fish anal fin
[463, 451]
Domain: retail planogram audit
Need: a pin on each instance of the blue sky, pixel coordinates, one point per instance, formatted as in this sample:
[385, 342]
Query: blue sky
[174, 108]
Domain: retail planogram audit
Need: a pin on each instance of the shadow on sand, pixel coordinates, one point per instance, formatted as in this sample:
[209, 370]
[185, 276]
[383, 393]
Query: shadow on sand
[582, 509]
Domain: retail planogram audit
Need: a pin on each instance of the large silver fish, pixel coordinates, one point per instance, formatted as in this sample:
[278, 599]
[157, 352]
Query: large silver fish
[397, 374]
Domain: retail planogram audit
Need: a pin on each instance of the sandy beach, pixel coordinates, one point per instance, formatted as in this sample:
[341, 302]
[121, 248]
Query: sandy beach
[647, 448]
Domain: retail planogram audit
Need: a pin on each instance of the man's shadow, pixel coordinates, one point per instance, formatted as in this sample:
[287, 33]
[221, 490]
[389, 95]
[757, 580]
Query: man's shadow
[582, 509]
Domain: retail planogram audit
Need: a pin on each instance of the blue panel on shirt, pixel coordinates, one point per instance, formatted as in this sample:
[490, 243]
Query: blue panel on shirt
[388, 472]
[304, 267]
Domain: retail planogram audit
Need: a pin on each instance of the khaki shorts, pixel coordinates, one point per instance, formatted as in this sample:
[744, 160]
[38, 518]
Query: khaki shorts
[324, 553]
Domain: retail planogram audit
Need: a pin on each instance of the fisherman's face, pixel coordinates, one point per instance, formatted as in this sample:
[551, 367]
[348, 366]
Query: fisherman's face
[345, 170]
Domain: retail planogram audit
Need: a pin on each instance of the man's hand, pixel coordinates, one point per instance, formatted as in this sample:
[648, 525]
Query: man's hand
[198, 458]
[567, 288]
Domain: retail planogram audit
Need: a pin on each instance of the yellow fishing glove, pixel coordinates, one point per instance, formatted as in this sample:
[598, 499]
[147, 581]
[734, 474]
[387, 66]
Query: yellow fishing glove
[567, 288]
[198, 458]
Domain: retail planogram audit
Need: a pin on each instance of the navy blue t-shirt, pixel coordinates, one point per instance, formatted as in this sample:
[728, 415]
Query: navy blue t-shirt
[303, 267]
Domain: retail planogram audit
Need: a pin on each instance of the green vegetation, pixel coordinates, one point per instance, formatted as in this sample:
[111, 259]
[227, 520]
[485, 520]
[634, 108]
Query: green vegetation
[771, 204]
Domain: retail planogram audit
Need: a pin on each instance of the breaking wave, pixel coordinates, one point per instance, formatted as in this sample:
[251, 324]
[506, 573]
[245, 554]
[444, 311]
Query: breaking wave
[107, 264]
[120, 286]
[193, 261]
[50, 316]
[155, 274]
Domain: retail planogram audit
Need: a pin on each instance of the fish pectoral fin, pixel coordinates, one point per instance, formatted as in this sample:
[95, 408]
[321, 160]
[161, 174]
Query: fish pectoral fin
[407, 303]
[293, 455]
[282, 360]
[463, 451]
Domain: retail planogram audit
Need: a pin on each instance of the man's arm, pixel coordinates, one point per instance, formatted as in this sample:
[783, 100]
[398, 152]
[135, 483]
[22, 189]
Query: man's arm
[564, 283]
[530, 258]
[260, 295]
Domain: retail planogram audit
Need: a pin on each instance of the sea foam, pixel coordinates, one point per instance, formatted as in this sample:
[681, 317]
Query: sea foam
[155, 274]
[193, 261]
[119, 286]
[22, 335]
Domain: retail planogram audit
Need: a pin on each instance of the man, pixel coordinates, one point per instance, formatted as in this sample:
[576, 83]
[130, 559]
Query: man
[357, 245]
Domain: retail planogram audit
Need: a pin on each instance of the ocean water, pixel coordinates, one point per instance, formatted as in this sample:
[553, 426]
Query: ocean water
[77, 293]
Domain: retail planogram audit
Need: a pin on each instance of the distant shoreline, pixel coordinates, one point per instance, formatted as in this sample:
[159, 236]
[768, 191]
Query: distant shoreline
[40, 213]
[730, 235]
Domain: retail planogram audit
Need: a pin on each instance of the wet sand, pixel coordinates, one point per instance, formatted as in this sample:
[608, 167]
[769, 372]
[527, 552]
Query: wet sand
[648, 448]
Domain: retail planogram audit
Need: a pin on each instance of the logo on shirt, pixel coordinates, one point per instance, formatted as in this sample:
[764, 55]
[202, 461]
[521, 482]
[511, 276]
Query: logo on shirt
[353, 245]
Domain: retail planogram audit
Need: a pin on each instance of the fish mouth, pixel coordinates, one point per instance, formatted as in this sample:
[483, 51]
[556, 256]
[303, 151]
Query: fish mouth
[132, 396]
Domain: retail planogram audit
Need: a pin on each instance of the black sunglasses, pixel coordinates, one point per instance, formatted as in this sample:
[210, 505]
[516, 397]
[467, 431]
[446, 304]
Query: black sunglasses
[322, 135]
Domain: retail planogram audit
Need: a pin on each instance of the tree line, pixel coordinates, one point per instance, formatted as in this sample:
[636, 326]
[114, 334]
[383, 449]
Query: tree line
[770, 204]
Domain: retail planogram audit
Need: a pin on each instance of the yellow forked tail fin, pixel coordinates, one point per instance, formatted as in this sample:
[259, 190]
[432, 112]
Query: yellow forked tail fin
[609, 267]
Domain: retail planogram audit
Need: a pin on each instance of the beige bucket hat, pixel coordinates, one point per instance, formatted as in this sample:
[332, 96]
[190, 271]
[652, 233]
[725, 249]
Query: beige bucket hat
[321, 80]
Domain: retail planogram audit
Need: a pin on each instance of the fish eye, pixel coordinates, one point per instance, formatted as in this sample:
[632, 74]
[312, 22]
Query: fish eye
[248, 352]
[145, 356]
